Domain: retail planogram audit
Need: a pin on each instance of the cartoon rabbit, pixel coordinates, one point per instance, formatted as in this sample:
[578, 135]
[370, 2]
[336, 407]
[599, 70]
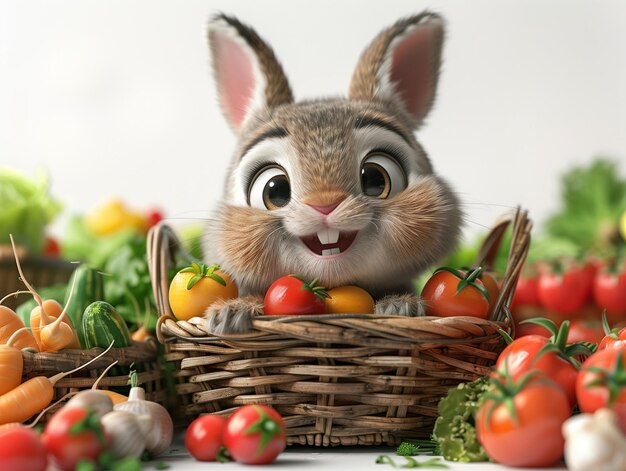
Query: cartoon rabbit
[336, 189]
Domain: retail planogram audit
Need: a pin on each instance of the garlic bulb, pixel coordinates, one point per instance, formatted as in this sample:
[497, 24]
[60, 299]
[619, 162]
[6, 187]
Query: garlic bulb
[594, 442]
[127, 432]
[92, 399]
[160, 435]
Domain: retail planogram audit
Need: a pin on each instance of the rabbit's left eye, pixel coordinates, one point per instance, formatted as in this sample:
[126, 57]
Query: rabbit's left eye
[381, 176]
[270, 189]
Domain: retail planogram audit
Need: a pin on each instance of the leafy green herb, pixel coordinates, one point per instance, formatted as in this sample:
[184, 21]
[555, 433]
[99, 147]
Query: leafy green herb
[455, 428]
[594, 197]
[161, 465]
[418, 447]
[127, 464]
[85, 465]
[407, 449]
[411, 462]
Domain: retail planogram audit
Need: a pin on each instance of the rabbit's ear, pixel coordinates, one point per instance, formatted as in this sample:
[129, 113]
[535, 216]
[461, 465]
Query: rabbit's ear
[248, 75]
[401, 65]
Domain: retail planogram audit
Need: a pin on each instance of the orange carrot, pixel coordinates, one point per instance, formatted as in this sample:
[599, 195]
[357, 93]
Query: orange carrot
[10, 323]
[57, 337]
[9, 425]
[11, 364]
[46, 313]
[116, 398]
[32, 396]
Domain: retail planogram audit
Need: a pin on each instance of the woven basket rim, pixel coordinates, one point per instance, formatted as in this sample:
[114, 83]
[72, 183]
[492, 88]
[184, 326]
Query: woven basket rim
[163, 244]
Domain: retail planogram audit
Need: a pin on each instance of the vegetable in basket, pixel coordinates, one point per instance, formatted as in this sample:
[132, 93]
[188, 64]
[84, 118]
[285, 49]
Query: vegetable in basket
[102, 325]
[196, 287]
[291, 294]
[52, 329]
[451, 292]
[33, 395]
[349, 299]
[88, 288]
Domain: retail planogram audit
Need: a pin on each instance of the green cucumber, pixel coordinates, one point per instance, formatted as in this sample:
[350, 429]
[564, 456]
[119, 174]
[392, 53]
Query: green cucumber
[88, 288]
[102, 325]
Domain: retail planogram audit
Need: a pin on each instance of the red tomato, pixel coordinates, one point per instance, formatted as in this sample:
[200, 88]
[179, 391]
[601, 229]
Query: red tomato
[441, 297]
[203, 438]
[565, 293]
[613, 340]
[52, 248]
[530, 438]
[74, 434]
[153, 218]
[255, 435]
[601, 383]
[21, 449]
[526, 292]
[609, 292]
[291, 295]
[585, 331]
[518, 358]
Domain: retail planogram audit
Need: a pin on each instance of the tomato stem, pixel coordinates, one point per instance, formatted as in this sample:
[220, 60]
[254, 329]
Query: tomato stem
[469, 279]
[613, 333]
[319, 291]
[267, 427]
[614, 380]
[202, 271]
[506, 388]
[89, 423]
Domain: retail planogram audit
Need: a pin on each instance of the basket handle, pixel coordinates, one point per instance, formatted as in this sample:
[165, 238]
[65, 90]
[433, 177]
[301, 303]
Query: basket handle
[162, 245]
[518, 250]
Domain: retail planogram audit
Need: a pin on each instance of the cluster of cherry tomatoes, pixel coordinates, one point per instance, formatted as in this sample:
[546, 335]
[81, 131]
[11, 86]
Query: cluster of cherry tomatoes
[575, 291]
[537, 382]
[293, 295]
[253, 434]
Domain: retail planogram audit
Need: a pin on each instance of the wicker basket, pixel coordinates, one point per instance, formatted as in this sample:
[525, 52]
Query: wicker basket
[142, 355]
[345, 379]
[40, 271]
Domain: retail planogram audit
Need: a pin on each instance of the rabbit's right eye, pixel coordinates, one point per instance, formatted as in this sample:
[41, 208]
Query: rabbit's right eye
[270, 189]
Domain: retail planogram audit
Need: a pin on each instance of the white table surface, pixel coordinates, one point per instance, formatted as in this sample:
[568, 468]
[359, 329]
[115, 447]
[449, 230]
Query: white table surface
[305, 458]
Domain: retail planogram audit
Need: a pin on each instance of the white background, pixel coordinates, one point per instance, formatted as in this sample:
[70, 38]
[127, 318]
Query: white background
[115, 97]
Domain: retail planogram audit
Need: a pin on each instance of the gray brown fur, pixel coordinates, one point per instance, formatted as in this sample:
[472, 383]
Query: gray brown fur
[365, 77]
[403, 235]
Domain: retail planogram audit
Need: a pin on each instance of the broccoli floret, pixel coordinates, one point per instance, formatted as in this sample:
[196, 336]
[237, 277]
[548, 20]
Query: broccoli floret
[455, 428]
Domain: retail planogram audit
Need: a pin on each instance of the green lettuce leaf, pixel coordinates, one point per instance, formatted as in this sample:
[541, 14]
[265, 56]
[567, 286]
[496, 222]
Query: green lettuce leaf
[26, 208]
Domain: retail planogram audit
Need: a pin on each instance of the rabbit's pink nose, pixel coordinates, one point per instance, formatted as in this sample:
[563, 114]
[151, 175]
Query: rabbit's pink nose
[326, 209]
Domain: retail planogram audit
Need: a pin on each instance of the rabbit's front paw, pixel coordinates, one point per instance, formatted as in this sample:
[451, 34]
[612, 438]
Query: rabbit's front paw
[408, 305]
[233, 316]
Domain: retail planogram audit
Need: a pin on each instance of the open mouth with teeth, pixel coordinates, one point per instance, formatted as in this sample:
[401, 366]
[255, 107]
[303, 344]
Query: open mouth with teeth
[329, 242]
